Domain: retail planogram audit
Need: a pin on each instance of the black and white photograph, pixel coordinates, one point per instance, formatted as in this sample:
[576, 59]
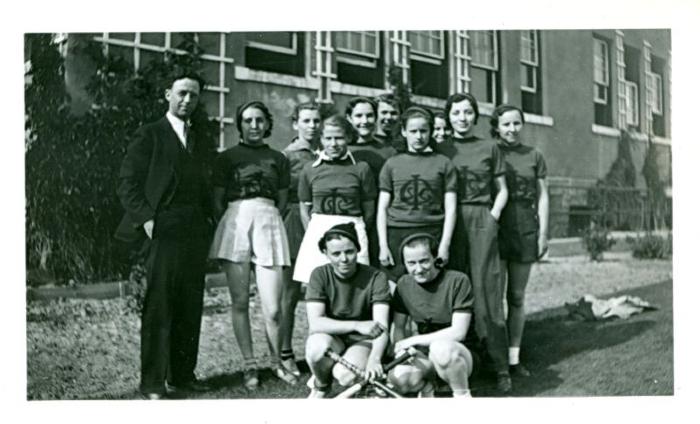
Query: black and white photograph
[351, 210]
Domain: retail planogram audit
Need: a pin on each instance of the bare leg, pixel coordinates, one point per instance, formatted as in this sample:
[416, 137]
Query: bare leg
[453, 363]
[320, 365]
[238, 279]
[269, 282]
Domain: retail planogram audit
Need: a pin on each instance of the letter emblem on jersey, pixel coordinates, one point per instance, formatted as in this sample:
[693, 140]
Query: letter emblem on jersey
[416, 192]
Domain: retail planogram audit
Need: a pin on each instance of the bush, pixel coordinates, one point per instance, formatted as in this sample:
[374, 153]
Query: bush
[72, 162]
[597, 239]
[650, 246]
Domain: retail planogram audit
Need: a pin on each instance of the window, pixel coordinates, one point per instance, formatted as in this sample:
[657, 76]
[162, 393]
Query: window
[655, 91]
[484, 73]
[633, 70]
[140, 48]
[530, 77]
[281, 42]
[602, 106]
[361, 43]
[358, 57]
[429, 70]
[632, 103]
[657, 95]
[427, 44]
[275, 52]
[601, 71]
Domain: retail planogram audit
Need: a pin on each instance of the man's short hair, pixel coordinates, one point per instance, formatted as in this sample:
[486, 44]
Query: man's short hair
[180, 73]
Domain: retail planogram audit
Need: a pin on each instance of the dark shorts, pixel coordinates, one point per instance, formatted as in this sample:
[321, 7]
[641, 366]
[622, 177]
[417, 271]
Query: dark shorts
[518, 232]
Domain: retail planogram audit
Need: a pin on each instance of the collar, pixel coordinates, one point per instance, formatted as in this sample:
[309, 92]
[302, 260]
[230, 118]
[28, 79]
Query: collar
[178, 125]
[508, 146]
[252, 146]
[428, 150]
[322, 157]
[298, 144]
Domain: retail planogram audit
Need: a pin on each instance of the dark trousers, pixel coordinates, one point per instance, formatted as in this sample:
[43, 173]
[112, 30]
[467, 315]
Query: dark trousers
[475, 250]
[172, 310]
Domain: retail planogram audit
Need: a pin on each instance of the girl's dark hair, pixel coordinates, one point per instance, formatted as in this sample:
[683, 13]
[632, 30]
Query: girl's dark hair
[460, 97]
[439, 114]
[389, 99]
[356, 101]
[498, 112]
[305, 106]
[420, 239]
[255, 104]
[341, 122]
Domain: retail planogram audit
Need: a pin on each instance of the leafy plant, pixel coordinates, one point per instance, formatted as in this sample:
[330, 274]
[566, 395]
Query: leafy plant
[72, 162]
[650, 246]
[597, 239]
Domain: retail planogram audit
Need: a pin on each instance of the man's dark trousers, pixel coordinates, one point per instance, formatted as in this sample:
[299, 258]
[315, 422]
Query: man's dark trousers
[175, 266]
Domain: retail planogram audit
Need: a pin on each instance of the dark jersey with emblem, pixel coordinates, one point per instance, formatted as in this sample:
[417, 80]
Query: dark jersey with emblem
[247, 171]
[417, 183]
[479, 162]
[432, 304]
[375, 153]
[298, 157]
[337, 187]
[351, 298]
[524, 166]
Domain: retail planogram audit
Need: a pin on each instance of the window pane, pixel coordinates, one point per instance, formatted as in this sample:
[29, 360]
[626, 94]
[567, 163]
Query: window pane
[483, 48]
[209, 42]
[360, 42]
[153, 38]
[279, 39]
[127, 36]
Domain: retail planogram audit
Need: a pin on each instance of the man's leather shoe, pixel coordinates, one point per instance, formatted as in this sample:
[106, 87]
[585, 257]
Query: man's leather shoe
[190, 386]
[153, 396]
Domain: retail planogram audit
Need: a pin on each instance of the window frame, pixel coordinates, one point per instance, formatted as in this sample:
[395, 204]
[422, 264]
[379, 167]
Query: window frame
[495, 52]
[632, 107]
[529, 66]
[377, 37]
[606, 71]
[657, 103]
[436, 59]
[292, 51]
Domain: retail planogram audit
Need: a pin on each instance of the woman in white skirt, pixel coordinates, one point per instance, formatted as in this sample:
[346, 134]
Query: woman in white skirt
[253, 180]
[332, 190]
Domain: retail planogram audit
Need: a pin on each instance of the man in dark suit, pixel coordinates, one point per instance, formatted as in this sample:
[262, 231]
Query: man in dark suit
[163, 186]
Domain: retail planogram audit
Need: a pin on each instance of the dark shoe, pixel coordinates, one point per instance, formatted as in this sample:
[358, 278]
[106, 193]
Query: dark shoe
[503, 383]
[519, 370]
[190, 386]
[153, 396]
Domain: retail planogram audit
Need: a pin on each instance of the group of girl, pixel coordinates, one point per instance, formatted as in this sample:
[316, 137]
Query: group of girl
[392, 174]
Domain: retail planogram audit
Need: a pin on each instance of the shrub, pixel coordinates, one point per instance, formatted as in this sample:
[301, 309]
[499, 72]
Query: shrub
[650, 246]
[72, 162]
[597, 239]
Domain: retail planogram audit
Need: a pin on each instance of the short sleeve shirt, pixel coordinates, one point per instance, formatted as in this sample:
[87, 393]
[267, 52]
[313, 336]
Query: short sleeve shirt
[247, 171]
[417, 183]
[432, 304]
[337, 187]
[348, 299]
[298, 157]
[478, 162]
[375, 153]
[524, 166]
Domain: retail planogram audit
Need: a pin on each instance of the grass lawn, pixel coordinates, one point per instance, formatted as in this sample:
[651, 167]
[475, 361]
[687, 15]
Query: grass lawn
[88, 349]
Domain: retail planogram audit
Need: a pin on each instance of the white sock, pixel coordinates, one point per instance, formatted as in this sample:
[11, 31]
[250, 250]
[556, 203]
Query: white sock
[462, 394]
[513, 355]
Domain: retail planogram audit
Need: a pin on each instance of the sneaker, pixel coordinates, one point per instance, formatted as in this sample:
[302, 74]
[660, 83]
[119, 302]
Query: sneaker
[503, 383]
[284, 374]
[519, 370]
[317, 394]
[250, 379]
[428, 391]
[291, 366]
